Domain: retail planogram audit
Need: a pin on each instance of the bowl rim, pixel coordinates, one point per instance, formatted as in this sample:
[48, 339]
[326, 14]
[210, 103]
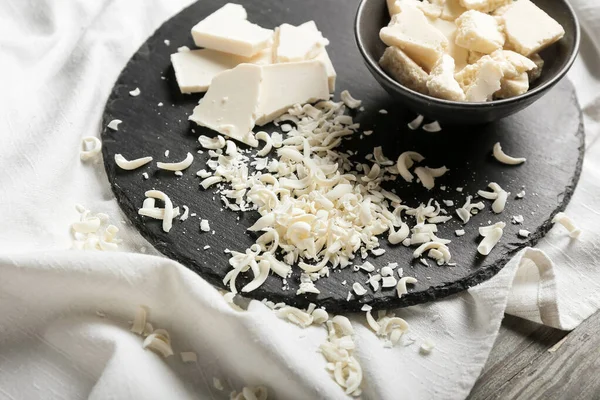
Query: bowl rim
[374, 66]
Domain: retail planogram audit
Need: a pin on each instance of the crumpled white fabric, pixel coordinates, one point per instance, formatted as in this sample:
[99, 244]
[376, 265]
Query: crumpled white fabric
[59, 62]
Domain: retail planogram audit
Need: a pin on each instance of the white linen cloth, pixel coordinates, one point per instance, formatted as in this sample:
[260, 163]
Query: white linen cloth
[59, 60]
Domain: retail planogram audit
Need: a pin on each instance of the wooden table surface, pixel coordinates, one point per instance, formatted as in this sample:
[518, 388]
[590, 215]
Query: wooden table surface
[531, 361]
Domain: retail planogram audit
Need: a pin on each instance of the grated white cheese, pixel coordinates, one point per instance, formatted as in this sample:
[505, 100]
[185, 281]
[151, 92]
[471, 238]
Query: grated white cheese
[383, 112]
[133, 164]
[504, 158]
[168, 210]
[459, 232]
[350, 101]
[358, 289]
[135, 92]
[160, 342]
[114, 124]
[524, 233]
[139, 321]
[468, 209]
[499, 196]
[217, 384]
[491, 236]
[90, 148]
[427, 347]
[405, 161]
[432, 127]
[401, 286]
[416, 123]
[204, 225]
[517, 219]
[177, 166]
[145, 175]
[90, 233]
[567, 222]
[521, 194]
[188, 357]
[167, 42]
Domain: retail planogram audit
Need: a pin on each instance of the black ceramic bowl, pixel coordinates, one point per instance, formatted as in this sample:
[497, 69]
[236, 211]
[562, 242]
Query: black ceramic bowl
[373, 15]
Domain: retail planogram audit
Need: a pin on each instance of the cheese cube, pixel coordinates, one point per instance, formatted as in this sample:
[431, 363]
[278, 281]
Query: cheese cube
[441, 83]
[513, 87]
[230, 105]
[297, 43]
[196, 69]
[479, 32]
[284, 85]
[451, 9]
[474, 56]
[518, 63]
[323, 56]
[404, 70]
[481, 80]
[449, 29]
[529, 29]
[535, 73]
[411, 32]
[227, 30]
[485, 6]
[429, 9]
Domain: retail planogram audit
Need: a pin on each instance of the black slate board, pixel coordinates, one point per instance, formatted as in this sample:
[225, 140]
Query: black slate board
[549, 134]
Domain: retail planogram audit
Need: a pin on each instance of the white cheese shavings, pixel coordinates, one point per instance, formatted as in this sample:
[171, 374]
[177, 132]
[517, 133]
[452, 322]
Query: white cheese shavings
[504, 158]
[296, 316]
[524, 233]
[94, 232]
[427, 347]
[383, 112]
[123, 163]
[218, 142]
[432, 127]
[135, 92]
[567, 222]
[167, 42]
[160, 342]
[183, 49]
[91, 147]
[517, 219]
[366, 307]
[114, 124]
[139, 321]
[189, 357]
[434, 245]
[405, 161]
[350, 101]
[388, 281]
[250, 393]
[217, 384]
[468, 209]
[204, 226]
[145, 175]
[177, 166]
[416, 123]
[168, 211]
[401, 286]
[521, 194]
[459, 232]
[491, 236]
[359, 289]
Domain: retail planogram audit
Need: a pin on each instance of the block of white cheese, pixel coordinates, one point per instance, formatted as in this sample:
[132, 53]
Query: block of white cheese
[535, 73]
[485, 6]
[404, 70]
[429, 9]
[230, 105]
[529, 29]
[297, 43]
[227, 30]
[513, 87]
[287, 84]
[451, 9]
[196, 69]
[441, 82]
[449, 29]
[479, 32]
[323, 56]
[518, 63]
[411, 32]
[481, 80]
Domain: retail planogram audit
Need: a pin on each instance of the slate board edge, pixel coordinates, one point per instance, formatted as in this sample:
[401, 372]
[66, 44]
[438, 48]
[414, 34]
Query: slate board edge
[433, 293]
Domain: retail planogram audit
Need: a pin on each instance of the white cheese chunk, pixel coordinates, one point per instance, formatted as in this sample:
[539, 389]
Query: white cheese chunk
[451, 9]
[228, 30]
[485, 6]
[441, 83]
[230, 105]
[196, 69]
[513, 87]
[411, 32]
[458, 53]
[297, 43]
[284, 85]
[429, 9]
[529, 29]
[323, 56]
[404, 70]
[480, 81]
[536, 72]
[479, 32]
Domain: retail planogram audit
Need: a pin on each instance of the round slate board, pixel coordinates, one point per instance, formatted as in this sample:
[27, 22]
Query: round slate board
[549, 134]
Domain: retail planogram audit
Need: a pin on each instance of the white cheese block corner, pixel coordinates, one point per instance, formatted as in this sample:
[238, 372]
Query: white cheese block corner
[288, 84]
[323, 56]
[230, 105]
[196, 69]
[297, 43]
[227, 30]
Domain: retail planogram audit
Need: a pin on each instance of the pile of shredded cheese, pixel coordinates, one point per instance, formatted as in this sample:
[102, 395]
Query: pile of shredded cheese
[94, 232]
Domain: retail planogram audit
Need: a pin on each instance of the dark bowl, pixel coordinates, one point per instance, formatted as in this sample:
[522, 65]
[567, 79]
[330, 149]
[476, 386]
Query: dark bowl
[373, 15]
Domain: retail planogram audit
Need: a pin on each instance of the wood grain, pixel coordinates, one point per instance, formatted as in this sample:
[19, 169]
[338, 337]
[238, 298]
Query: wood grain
[552, 143]
[522, 367]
